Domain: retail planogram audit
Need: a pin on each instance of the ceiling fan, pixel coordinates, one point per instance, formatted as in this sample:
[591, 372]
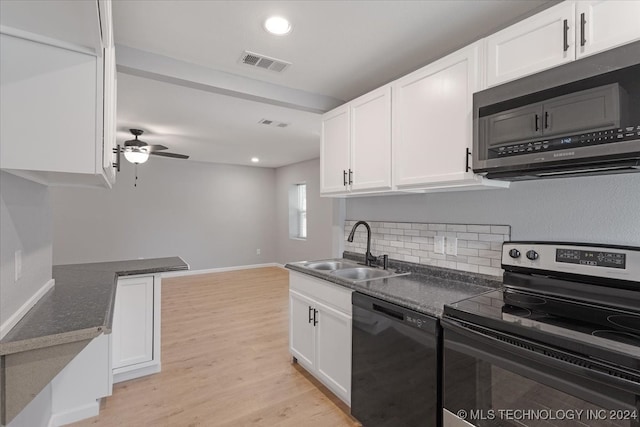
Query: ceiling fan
[137, 151]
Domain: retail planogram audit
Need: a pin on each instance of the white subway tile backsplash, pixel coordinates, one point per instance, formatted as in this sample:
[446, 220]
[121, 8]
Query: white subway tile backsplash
[467, 236]
[456, 227]
[500, 229]
[479, 246]
[491, 237]
[479, 228]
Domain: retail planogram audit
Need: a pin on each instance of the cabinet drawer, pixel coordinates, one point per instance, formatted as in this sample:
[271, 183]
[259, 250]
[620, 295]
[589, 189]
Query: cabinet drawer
[333, 295]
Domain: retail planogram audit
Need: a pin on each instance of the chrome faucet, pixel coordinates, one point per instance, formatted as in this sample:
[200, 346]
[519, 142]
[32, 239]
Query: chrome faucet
[368, 258]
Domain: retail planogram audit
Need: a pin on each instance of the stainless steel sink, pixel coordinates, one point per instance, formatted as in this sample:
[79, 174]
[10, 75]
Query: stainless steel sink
[359, 274]
[330, 265]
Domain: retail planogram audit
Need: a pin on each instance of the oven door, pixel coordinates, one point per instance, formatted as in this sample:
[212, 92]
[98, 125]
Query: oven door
[494, 379]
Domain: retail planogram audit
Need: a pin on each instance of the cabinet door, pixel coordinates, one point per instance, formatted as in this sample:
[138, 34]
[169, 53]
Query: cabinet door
[432, 120]
[333, 356]
[514, 125]
[538, 43]
[132, 333]
[594, 109]
[605, 24]
[334, 151]
[301, 330]
[48, 114]
[371, 140]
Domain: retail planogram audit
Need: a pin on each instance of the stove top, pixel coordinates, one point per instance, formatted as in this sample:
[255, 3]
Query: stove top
[594, 316]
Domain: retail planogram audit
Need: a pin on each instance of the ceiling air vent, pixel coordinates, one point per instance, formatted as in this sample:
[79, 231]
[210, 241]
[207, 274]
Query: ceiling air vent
[273, 123]
[264, 62]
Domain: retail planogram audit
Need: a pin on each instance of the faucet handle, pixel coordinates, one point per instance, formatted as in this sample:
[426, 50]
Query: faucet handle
[385, 261]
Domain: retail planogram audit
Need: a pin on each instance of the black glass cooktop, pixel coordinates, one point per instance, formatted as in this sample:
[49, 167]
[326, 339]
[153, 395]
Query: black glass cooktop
[597, 331]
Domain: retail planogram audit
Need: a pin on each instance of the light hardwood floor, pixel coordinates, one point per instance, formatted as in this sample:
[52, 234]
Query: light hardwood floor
[225, 361]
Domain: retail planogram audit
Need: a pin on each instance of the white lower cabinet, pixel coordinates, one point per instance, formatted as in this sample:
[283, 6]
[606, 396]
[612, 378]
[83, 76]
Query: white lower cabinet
[135, 345]
[320, 331]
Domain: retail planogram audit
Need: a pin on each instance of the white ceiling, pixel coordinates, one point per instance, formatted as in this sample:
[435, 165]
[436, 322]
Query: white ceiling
[181, 82]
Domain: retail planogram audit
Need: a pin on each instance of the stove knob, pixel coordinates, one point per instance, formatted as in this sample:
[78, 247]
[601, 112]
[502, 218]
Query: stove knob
[514, 253]
[532, 255]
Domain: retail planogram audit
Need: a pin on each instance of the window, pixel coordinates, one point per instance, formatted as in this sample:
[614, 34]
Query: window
[298, 211]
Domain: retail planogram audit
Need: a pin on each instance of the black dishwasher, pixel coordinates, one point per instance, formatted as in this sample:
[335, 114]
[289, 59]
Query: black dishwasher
[395, 365]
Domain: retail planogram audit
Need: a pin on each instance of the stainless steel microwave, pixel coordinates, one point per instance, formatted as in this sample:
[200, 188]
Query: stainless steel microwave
[582, 118]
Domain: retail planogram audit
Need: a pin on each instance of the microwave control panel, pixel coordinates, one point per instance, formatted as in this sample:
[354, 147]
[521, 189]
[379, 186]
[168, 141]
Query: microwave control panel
[567, 142]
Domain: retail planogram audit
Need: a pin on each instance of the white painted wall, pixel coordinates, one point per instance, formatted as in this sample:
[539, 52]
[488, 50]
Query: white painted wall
[212, 215]
[598, 209]
[25, 224]
[320, 217]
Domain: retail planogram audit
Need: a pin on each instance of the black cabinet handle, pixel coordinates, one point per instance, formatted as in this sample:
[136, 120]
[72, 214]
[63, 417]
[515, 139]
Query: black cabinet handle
[315, 321]
[344, 178]
[116, 164]
[583, 21]
[537, 123]
[310, 315]
[565, 43]
[546, 120]
[350, 177]
[467, 167]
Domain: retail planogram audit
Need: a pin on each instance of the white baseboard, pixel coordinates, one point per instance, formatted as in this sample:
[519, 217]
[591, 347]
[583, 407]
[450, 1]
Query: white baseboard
[19, 314]
[219, 270]
[126, 375]
[76, 414]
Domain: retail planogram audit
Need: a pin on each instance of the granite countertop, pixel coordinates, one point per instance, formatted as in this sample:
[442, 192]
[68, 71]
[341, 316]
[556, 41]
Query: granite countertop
[80, 305]
[426, 290]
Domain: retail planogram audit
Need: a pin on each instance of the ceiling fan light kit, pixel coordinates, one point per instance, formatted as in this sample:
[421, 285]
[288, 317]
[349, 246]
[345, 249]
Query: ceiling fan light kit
[136, 155]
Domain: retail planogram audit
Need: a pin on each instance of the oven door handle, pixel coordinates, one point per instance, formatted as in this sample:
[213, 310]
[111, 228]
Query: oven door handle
[523, 361]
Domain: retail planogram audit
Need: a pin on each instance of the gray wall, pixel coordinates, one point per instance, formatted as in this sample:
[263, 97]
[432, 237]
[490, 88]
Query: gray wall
[25, 224]
[602, 209]
[210, 214]
[319, 214]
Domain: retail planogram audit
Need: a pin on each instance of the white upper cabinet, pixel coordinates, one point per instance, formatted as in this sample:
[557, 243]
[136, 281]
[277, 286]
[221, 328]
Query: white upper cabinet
[538, 43]
[58, 100]
[335, 151]
[606, 24]
[371, 141]
[563, 33]
[356, 145]
[48, 110]
[432, 124]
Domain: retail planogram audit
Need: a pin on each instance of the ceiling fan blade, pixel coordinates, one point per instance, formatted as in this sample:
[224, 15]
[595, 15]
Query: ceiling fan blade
[174, 155]
[157, 147]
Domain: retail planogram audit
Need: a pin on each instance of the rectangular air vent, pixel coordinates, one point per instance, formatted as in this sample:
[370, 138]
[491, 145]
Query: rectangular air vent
[273, 123]
[263, 61]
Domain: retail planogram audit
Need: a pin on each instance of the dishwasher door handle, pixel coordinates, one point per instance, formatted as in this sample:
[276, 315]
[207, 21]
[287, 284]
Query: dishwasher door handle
[389, 312]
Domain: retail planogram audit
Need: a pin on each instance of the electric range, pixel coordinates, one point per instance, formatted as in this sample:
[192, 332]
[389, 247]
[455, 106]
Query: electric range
[563, 334]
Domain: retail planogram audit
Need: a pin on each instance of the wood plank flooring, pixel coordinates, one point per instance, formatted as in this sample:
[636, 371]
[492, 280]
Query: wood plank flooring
[225, 361]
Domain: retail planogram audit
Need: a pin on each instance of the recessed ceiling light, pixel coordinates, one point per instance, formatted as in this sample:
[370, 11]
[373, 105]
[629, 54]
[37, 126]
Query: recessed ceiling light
[255, 159]
[277, 25]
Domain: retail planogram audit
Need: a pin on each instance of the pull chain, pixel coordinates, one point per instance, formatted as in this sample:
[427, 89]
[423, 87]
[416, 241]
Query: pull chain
[135, 183]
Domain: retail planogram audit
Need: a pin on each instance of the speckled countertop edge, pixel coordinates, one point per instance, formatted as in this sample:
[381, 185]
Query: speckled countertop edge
[43, 326]
[426, 290]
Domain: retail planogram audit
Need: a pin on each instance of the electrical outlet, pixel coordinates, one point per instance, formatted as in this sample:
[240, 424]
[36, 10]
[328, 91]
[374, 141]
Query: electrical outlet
[438, 244]
[18, 264]
[452, 246]
[257, 251]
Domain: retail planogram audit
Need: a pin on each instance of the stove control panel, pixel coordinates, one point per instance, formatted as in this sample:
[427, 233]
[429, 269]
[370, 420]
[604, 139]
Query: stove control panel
[592, 258]
[621, 262]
